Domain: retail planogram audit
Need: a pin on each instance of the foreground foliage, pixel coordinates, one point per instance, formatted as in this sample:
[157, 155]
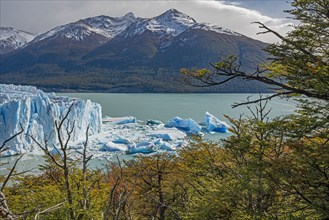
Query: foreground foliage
[265, 170]
[268, 169]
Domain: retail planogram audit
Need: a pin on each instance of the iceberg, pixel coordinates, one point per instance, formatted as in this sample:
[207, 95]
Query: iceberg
[164, 145]
[120, 140]
[213, 124]
[143, 147]
[37, 111]
[188, 125]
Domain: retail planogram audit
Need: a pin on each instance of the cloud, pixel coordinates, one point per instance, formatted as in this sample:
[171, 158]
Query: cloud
[40, 16]
[240, 19]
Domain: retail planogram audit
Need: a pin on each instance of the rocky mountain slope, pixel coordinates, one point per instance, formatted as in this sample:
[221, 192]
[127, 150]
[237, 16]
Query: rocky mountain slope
[11, 39]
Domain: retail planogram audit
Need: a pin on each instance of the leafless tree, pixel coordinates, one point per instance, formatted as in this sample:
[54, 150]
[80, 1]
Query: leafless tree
[64, 130]
[85, 160]
[63, 160]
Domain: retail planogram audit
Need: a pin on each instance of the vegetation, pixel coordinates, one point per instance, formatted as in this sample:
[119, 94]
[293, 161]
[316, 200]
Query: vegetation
[268, 169]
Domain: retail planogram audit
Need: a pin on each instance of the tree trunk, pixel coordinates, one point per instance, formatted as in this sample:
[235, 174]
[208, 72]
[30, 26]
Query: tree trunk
[162, 208]
[69, 193]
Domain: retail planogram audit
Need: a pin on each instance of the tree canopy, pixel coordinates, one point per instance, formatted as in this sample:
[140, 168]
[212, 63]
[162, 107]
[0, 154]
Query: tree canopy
[267, 169]
[298, 65]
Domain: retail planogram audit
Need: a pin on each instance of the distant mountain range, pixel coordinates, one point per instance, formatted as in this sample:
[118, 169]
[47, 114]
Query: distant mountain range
[11, 39]
[124, 54]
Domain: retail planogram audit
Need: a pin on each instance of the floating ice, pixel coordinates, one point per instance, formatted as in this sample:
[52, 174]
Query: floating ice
[121, 120]
[167, 134]
[164, 145]
[142, 147]
[111, 146]
[213, 124]
[120, 140]
[37, 111]
[188, 125]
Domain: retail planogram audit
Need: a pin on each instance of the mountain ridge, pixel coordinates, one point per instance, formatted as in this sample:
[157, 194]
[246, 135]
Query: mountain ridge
[12, 39]
[129, 54]
[103, 25]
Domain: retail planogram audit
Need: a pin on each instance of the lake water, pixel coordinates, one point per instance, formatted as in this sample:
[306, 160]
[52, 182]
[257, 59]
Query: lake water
[163, 107]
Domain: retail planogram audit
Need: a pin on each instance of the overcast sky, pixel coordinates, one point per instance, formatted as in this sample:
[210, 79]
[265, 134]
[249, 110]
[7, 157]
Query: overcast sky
[237, 15]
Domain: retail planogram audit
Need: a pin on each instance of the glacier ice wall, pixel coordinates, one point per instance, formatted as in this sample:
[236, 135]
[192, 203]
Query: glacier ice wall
[37, 111]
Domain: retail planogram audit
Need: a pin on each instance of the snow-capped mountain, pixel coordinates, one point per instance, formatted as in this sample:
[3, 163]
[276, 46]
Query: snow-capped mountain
[129, 54]
[148, 41]
[104, 26]
[11, 39]
[170, 23]
[214, 28]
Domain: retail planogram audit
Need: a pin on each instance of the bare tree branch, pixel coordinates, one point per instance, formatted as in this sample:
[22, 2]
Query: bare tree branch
[4, 209]
[229, 70]
[261, 99]
[10, 173]
[63, 162]
[290, 42]
[50, 209]
[2, 147]
[47, 152]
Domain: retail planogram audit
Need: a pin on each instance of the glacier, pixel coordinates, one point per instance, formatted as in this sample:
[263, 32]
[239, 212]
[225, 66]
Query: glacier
[37, 111]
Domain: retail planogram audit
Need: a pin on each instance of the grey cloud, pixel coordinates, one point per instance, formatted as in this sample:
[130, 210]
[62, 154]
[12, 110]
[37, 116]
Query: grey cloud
[40, 16]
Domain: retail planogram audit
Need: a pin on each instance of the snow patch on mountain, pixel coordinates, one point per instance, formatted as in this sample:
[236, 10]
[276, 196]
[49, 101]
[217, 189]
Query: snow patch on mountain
[11, 39]
[105, 26]
[170, 23]
[214, 28]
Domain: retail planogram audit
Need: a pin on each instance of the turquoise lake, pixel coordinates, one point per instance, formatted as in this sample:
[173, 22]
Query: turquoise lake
[166, 106]
[162, 107]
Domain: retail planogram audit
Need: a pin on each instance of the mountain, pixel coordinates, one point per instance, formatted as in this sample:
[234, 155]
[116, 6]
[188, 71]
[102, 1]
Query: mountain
[11, 39]
[62, 46]
[170, 23]
[129, 54]
[98, 29]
